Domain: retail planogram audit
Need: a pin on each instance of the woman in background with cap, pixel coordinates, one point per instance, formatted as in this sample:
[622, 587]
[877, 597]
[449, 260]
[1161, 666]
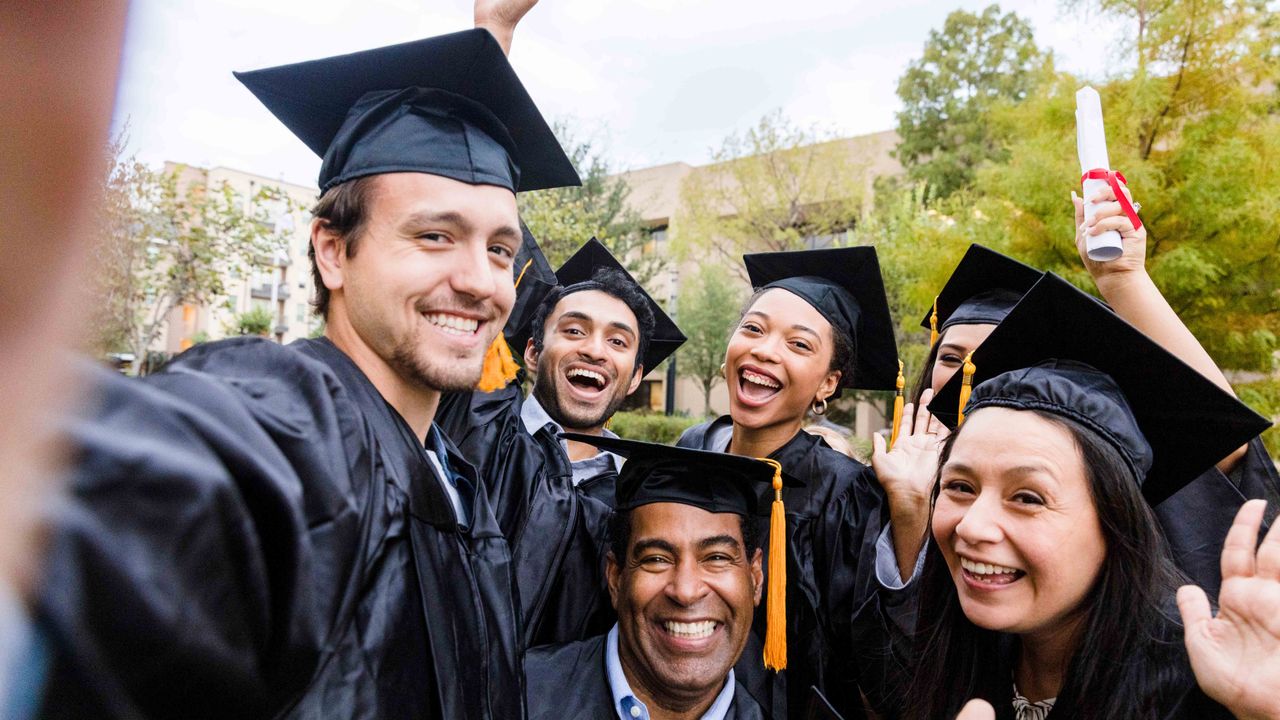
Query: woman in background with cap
[818, 322]
[1048, 590]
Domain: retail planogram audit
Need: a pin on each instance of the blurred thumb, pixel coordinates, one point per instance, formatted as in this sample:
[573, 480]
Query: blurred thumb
[977, 710]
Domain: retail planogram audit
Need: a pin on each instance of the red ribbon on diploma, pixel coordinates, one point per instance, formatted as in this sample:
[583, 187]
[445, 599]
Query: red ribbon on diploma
[1114, 179]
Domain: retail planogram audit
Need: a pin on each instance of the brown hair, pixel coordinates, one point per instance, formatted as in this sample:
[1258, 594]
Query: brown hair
[344, 210]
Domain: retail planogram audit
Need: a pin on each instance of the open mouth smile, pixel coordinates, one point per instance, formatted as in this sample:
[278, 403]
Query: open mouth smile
[756, 386]
[988, 575]
[450, 324]
[586, 380]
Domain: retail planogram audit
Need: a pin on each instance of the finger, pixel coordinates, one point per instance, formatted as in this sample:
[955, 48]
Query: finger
[1242, 539]
[977, 710]
[877, 444]
[1104, 194]
[1193, 605]
[1078, 204]
[1121, 224]
[906, 423]
[1269, 554]
[1105, 210]
[921, 424]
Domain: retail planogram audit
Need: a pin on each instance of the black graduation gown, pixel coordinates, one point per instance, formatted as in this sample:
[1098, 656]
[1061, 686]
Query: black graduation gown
[570, 682]
[1196, 518]
[255, 533]
[833, 523]
[558, 533]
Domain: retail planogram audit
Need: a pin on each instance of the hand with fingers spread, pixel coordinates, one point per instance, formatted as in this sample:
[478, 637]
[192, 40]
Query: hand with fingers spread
[1236, 655]
[1110, 216]
[500, 17]
[907, 473]
[977, 710]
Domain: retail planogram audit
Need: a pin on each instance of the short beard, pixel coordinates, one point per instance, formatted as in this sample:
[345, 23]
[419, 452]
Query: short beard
[408, 361]
[544, 390]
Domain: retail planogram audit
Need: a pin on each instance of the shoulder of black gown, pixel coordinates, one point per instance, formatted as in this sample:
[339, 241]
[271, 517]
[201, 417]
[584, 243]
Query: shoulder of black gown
[180, 569]
[1196, 519]
[744, 706]
[463, 412]
[568, 680]
[699, 435]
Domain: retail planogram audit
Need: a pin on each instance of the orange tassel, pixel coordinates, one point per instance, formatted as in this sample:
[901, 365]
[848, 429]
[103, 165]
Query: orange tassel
[900, 383]
[966, 385]
[500, 365]
[775, 634]
[933, 323]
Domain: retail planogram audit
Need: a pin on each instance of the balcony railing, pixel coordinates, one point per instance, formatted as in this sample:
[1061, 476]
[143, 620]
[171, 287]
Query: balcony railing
[262, 291]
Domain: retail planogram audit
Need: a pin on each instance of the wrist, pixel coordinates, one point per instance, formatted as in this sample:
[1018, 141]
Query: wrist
[1117, 283]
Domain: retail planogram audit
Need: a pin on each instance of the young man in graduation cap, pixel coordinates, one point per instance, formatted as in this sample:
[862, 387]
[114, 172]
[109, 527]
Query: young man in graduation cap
[590, 337]
[267, 531]
[685, 573]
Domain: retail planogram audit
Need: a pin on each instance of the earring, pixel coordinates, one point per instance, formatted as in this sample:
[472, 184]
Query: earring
[819, 407]
[722, 370]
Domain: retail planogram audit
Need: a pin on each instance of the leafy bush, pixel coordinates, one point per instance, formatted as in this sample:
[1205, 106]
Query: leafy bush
[1264, 396]
[651, 427]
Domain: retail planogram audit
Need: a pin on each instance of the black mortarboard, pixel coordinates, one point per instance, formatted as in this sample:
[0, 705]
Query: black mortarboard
[716, 482]
[576, 275]
[844, 285]
[1064, 352]
[448, 105]
[534, 279]
[982, 289]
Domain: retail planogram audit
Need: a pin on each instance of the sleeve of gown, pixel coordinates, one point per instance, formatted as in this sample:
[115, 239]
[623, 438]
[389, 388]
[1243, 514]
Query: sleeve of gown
[205, 542]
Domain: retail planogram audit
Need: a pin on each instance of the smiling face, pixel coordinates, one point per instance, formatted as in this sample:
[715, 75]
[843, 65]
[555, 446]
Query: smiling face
[685, 594]
[430, 283]
[1015, 521]
[587, 366]
[953, 345]
[778, 362]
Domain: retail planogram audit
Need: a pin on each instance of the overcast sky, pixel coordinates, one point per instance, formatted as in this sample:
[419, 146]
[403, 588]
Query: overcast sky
[655, 80]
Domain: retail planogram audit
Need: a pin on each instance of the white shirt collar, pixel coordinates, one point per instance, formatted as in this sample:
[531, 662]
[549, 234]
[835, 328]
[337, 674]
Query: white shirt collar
[534, 418]
[629, 707]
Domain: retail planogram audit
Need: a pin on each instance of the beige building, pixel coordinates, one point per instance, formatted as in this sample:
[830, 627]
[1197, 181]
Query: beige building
[281, 285]
[657, 194]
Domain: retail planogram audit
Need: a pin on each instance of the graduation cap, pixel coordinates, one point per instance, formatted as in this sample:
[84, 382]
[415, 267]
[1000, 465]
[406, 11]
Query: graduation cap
[718, 483]
[982, 290]
[1062, 351]
[844, 285]
[448, 105]
[576, 275]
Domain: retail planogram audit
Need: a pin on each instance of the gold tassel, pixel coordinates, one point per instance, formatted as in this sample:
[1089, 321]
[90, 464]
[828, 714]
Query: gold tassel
[775, 634]
[966, 385]
[901, 382]
[933, 323]
[500, 365]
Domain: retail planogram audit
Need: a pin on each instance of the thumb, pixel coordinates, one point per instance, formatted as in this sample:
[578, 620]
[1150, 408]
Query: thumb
[877, 444]
[1193, 605]
[1079, 207]
[977, 710]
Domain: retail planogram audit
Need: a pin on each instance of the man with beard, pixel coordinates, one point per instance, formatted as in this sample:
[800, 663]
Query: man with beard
[685, 574]
[590, 339]
[264, 531]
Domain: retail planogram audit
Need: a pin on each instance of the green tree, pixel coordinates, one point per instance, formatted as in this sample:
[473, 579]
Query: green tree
[707, 308]
[977, 61]
[775, 187]
[564, 218]
[254, 321]
[170, 242]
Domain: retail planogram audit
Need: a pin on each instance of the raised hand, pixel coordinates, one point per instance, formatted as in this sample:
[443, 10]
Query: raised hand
[977, 710]
[1110, 216]
[1236, 655]
[500, 17]
[907, 473]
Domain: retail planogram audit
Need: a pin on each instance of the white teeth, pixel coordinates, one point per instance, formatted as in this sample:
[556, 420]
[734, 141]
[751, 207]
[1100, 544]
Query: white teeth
[590, 374]
[691, 630]
[760, 379]
[453, 324]
[978, 568]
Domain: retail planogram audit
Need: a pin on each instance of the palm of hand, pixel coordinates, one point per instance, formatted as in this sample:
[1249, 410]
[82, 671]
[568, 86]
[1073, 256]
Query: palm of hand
[1236, 655]
[910, 467]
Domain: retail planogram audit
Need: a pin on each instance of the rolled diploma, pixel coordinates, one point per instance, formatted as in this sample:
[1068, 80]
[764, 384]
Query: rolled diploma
[1091, 146]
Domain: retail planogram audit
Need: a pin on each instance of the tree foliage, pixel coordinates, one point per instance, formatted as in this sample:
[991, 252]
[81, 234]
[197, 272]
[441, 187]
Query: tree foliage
[775, 187]
[254, 321]
[169, 242]
[974, 63]
[562, 219]
[707, 310]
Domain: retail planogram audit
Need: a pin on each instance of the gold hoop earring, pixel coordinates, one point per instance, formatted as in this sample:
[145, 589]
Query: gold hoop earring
[722, 370]
[819, 407]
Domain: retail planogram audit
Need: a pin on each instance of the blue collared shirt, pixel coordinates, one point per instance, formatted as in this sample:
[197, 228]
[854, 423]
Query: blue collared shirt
[887, 562]
[535, 418]
[629, 706]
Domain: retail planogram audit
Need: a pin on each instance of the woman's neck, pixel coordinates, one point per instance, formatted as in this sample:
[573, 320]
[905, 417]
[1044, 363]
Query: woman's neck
[762, 442]
[1042, 663]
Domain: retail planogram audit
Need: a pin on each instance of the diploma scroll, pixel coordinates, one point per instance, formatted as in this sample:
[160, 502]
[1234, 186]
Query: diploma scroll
[1091, 146]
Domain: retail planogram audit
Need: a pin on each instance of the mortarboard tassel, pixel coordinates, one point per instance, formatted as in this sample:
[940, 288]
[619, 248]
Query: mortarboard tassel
[933, 323]
[775, 635]
[901, 382]
[500, 366]
[966, 385]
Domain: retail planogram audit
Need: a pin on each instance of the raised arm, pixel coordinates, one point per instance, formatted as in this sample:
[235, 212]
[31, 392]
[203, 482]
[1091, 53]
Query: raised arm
[500, 17]
[1126, 286]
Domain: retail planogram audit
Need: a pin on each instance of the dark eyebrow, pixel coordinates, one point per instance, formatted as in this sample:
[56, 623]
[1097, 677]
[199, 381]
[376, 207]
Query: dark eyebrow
[642, 545]
[715, 540]
[579, 315]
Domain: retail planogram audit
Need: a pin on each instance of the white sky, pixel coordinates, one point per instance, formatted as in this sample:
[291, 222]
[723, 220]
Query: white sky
[655, 80]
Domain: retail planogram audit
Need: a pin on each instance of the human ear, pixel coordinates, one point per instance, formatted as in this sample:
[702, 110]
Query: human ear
[613, 577]
[530, 356]
[330, 252]
[636, 377]
[757, 575]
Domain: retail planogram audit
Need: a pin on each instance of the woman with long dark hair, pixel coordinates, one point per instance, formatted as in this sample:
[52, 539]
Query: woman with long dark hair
[817, 323]
[1048, 590]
